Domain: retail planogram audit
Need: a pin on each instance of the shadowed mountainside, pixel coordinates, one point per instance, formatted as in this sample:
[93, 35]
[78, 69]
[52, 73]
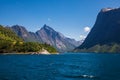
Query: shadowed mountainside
[105, 34]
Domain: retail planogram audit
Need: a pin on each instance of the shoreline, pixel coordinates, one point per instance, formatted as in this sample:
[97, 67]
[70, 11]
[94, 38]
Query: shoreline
[27, 53]
[43, 51]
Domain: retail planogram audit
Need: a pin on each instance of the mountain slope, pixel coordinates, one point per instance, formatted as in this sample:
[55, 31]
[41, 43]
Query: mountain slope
[58, 40]
[7, 34]
[47, 35]
[8, 39]
[24, 34]
[104, 34]
[10, 42]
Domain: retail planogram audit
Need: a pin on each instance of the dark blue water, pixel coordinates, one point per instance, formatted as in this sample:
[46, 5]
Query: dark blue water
[81, 66]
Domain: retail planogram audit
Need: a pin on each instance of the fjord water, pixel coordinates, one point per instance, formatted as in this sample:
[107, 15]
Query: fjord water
[67, 66]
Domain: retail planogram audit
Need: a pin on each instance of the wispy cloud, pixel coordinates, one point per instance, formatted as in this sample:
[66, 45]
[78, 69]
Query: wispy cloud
[87, 29]
[82, 37]
[49, 19]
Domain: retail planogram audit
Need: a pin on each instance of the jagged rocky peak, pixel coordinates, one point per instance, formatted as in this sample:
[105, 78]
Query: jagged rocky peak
[18, 27]
[46, 27]
[108, 9]
[46, 35]
[21, 31]
[56, 39]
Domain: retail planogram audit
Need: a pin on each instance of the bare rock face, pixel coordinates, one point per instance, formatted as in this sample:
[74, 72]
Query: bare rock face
[106, 29]
[56, 39]
[47, 35]
[24, 34]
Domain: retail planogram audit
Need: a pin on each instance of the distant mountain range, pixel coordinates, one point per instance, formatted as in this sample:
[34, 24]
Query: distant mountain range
[47, 35]
[105, 34]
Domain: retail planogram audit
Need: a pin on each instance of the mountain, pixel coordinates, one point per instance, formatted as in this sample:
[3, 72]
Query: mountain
[47, 35]
[24, 34]
[8, 35]
[7, 39]
[11, 43]
[105, 34]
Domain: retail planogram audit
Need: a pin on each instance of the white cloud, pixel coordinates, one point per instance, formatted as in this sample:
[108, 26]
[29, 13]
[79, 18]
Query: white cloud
[49, 19]
[82, 37]
[87, 29]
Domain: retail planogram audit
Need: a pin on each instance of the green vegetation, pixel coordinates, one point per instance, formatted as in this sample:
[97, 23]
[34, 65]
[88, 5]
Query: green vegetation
[49, 48]
[110, 48]
[10, 42]
[8, 35]
[33, 47]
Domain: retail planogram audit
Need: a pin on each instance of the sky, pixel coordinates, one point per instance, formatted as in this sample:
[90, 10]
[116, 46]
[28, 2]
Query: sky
[73, 18]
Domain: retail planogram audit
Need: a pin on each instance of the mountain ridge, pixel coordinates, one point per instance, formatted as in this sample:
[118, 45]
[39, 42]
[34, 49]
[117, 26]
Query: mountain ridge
[47, 35]
[11, 43]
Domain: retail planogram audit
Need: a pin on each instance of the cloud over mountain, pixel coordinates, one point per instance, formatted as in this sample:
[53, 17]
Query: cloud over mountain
[86, 29]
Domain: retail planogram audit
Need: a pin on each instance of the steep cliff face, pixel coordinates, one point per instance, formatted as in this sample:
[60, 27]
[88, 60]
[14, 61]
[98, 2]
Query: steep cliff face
[56, 39]
[106, 30]
[47, 35]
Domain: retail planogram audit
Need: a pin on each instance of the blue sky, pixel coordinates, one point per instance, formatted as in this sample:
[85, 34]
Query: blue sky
[69, 17]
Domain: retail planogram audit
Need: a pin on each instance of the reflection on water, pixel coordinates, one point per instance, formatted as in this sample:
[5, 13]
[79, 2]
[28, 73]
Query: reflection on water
[60, 67]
